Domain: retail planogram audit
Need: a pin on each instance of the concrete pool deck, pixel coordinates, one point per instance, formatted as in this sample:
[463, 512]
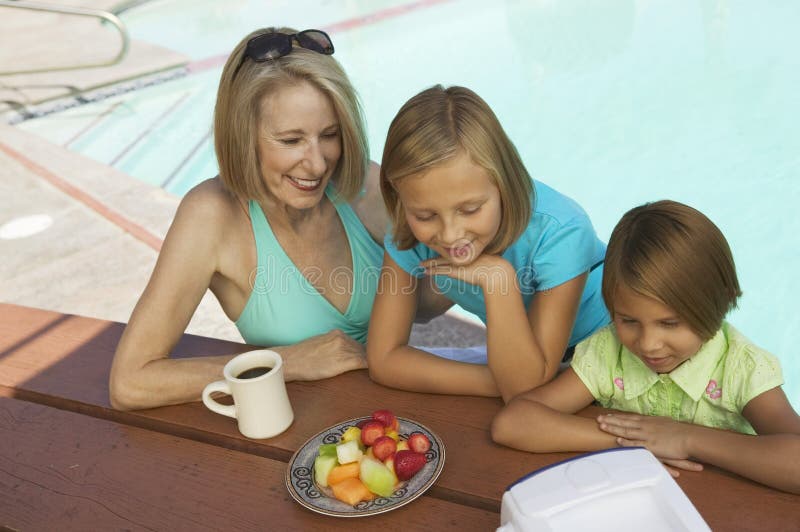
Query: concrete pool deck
[96, 256]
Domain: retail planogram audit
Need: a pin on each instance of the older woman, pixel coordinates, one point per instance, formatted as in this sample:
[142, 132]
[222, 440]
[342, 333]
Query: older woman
[286, 237]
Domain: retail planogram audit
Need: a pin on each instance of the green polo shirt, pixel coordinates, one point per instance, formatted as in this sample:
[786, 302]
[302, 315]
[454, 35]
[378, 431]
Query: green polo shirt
[711, 388]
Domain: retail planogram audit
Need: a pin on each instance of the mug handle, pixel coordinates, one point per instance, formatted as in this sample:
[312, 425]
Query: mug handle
[212, 404]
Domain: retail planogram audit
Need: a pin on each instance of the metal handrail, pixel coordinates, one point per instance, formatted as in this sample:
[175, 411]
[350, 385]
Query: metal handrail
[70, 10]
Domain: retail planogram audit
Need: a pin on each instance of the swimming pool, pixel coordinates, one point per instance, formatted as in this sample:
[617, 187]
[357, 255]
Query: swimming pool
[613, 103]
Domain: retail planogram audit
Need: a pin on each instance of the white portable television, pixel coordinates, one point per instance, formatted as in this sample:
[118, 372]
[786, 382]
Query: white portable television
[616, 490]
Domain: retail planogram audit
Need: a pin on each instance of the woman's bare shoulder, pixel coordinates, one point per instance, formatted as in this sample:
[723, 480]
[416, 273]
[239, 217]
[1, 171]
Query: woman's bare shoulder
[210, 197]
[209, 204]
[369, 206]
[206, 213]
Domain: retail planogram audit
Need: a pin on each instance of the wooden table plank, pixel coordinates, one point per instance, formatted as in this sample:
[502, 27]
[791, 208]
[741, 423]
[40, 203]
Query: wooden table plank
[65, 471]
[68, 365]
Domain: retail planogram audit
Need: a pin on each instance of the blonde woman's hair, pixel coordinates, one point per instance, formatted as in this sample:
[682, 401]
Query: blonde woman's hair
[435, 126]
[671, 252]
[238, 111]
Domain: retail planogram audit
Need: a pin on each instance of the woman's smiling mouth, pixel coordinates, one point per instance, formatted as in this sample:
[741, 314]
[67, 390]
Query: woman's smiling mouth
[305, 184]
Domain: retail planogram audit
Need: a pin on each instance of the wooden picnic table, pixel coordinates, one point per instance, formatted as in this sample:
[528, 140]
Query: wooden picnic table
[68, 461]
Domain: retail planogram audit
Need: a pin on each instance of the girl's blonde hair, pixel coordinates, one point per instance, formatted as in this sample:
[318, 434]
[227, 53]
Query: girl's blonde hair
[671, 252]
[438, 124]
[238, 112]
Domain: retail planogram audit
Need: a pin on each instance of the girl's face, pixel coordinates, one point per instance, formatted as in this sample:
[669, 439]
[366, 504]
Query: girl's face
[454, 208]
[298, 144]
[653, 331]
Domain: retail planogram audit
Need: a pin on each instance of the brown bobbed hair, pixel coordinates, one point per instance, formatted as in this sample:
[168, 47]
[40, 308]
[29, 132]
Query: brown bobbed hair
[672, 252]
[436, 125]
[238, 112]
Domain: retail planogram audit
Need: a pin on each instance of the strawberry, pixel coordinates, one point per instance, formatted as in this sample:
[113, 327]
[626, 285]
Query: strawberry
[371, 431]
[383, 447]
[407, 463]
[387, 418]
[419, 443]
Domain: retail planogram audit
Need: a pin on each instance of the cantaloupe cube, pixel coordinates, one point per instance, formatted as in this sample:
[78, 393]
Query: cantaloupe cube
[351, 491]
[341, 472]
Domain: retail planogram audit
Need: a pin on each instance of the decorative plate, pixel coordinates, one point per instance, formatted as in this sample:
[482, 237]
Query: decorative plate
[303, 488]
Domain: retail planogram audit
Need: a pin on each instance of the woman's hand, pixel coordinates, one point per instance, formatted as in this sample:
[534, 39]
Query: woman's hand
[322, 356]
[666, 438]
[490, 272]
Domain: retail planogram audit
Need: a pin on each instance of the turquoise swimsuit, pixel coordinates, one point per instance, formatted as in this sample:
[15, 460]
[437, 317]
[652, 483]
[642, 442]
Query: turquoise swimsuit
[284, 307]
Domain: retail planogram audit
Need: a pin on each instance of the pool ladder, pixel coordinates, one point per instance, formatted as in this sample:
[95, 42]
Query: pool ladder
[72, 10]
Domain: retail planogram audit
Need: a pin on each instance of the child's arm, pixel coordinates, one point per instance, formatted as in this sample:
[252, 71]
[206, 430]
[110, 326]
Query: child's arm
[542, 420]
[772, 457]
[392, 362]
[524, 348]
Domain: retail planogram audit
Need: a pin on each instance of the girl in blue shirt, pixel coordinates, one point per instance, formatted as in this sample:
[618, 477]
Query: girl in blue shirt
[468, 219]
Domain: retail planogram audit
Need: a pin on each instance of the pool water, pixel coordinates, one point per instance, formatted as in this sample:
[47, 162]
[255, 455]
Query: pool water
[613, 103]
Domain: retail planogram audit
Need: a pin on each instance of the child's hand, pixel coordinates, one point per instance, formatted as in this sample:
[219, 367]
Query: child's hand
[662, 436]
[490, 272]
[686, 465]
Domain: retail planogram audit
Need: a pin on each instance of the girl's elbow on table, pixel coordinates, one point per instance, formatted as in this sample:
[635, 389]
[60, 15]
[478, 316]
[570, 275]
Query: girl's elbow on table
[507, 427]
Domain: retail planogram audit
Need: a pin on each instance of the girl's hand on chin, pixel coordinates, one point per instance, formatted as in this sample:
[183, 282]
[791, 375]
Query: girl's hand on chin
[490, 272]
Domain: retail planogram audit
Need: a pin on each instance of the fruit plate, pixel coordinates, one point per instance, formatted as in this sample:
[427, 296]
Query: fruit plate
[300, 474]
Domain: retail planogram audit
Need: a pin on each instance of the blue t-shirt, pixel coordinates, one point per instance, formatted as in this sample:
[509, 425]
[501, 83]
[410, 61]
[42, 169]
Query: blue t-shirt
[559, 244]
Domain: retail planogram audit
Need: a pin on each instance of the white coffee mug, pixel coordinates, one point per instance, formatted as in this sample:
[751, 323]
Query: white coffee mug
[261, 405]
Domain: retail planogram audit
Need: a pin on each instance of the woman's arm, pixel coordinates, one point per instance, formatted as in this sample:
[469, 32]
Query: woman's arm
[543, 420]
[392, 362]
[369, 206]
[770, 458]
[142, 374]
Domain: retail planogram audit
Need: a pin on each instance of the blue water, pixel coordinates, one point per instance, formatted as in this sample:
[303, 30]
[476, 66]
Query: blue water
[613, 103]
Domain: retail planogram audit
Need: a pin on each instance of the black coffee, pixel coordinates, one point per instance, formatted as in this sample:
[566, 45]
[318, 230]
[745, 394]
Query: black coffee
[252, 373]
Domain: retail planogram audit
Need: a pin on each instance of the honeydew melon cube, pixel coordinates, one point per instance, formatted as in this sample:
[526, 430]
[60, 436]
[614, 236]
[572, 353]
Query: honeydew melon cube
[377, 477]
[327, 449]
[322, 467]
[348, 452]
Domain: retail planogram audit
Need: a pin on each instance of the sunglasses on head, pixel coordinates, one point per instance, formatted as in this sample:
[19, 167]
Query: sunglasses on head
[269, 46]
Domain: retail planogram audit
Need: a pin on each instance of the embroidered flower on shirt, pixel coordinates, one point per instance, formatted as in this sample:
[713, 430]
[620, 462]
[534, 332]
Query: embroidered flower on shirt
[712, 391]
[618, 382]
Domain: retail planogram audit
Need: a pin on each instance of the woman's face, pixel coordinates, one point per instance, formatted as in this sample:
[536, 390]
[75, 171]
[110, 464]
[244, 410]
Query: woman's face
[653, 331]
[454, 208]
[299, 144]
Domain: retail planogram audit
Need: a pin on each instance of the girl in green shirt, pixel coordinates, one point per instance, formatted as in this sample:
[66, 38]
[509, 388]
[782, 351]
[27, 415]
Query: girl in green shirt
[694, 389]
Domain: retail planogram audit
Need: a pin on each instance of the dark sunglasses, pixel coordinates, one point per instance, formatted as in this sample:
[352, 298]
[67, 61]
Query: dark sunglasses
[271, 46]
